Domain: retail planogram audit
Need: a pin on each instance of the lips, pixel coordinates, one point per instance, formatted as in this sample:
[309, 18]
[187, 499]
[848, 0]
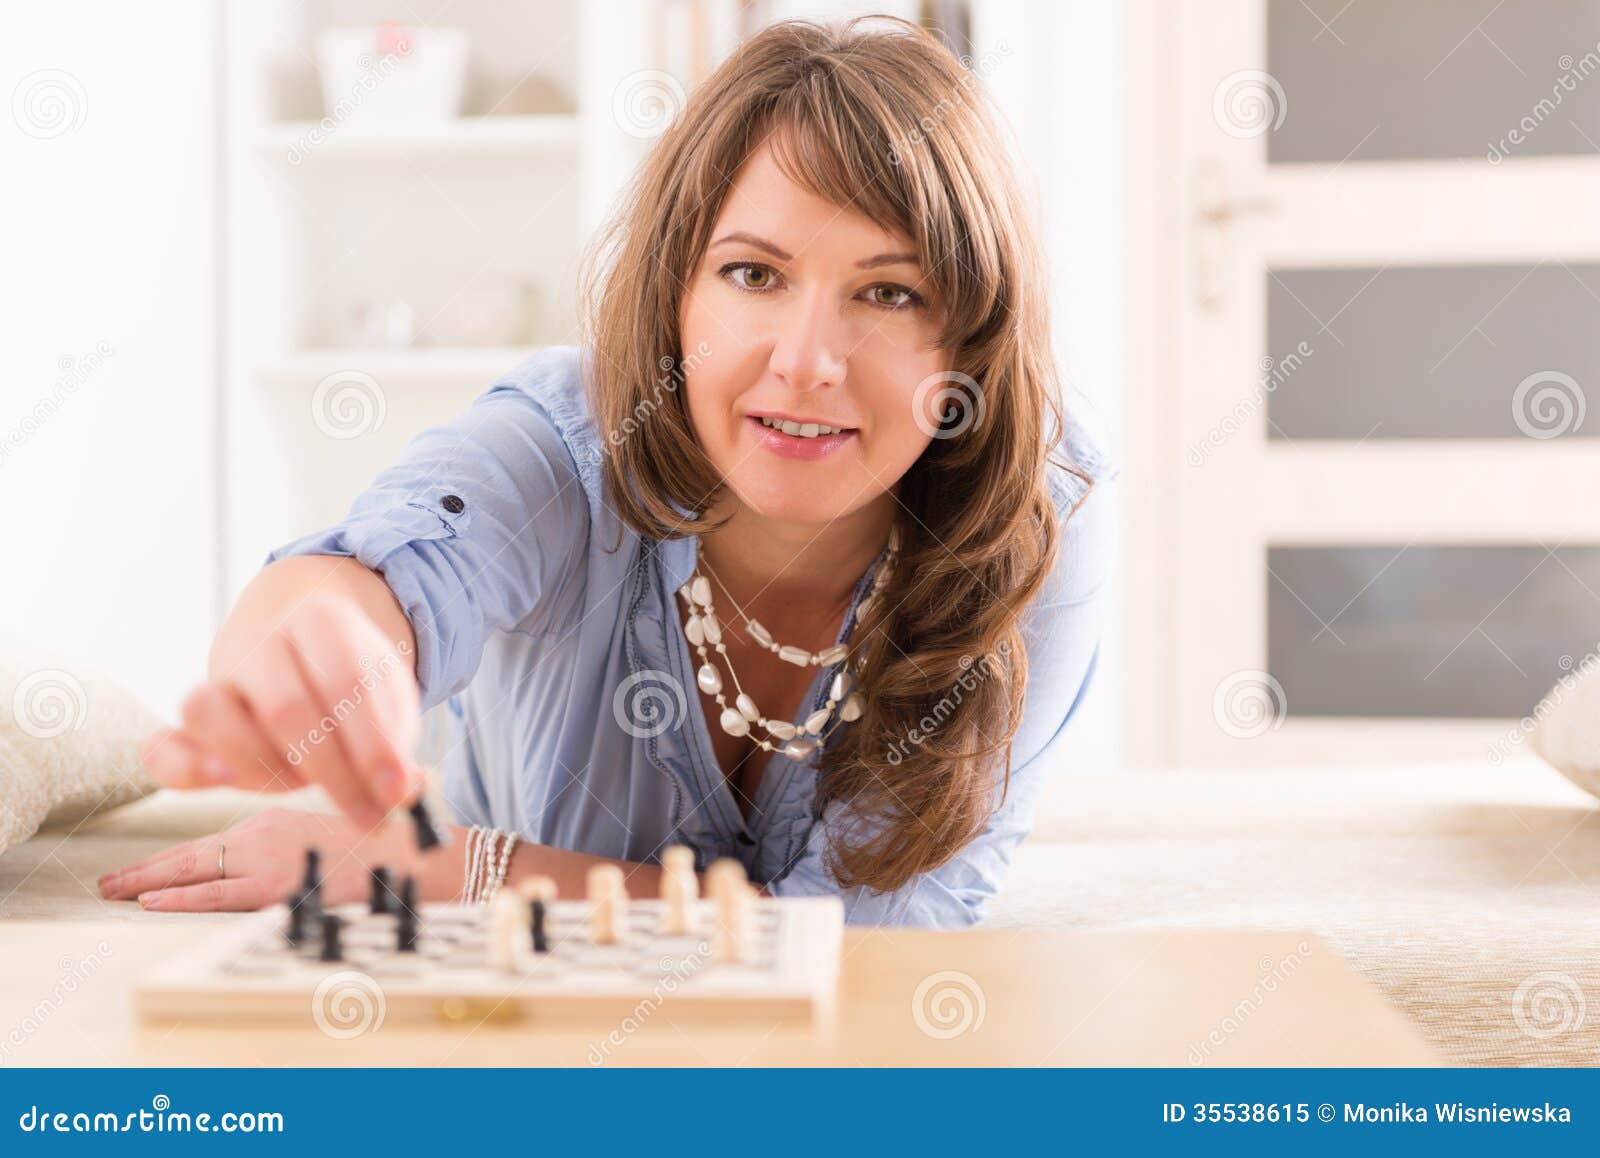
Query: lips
[794, 439]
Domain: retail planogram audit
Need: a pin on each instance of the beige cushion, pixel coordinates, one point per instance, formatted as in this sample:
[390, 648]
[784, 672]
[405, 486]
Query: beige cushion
[1566, 727]
[69, 745]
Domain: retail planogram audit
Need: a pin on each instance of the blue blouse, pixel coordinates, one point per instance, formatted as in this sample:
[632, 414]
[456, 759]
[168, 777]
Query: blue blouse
[571, 687]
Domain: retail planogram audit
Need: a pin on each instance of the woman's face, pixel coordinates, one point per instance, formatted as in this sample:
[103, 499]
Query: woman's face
[808, 313]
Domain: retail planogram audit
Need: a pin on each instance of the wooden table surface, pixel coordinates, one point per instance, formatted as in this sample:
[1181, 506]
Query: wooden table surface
[986, 997]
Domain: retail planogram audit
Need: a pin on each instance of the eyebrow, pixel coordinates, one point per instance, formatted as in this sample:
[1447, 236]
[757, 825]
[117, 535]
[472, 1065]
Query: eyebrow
[777, 252]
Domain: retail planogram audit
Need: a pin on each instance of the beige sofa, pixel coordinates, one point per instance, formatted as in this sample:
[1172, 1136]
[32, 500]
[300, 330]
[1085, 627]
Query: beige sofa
[1470, 896]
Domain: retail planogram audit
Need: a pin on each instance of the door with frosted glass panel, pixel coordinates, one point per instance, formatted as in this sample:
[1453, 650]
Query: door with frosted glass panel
[1388, 515]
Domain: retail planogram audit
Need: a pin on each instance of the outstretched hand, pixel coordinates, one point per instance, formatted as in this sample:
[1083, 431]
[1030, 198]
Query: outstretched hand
[323, 697]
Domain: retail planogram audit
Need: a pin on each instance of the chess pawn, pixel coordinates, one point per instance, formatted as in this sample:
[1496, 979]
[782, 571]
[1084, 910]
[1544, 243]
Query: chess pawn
[679, 890]
[539, 893]
[734, 899]
[505, 927]
[608, 899]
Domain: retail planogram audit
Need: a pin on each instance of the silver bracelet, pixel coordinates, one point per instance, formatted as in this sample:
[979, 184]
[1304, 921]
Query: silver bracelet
[488, 859]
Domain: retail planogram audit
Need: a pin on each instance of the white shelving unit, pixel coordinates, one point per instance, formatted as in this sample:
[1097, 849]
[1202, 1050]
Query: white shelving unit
[322, 214]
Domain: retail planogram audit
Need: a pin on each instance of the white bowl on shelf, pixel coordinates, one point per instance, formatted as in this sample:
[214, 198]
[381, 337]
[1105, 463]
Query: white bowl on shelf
[391, 76]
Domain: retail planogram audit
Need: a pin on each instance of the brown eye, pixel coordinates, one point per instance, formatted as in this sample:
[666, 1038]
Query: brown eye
[747, 275]
[894, 297]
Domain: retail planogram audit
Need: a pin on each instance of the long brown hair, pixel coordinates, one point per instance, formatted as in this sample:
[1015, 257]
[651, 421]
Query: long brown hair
[877, 115]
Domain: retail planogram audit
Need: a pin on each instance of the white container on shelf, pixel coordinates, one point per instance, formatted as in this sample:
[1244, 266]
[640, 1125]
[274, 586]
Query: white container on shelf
[391, 76]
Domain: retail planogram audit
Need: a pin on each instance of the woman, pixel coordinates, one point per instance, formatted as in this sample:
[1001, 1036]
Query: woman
[794, 561]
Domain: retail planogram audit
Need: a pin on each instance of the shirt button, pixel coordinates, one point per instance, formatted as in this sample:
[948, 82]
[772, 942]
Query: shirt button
[453, 504]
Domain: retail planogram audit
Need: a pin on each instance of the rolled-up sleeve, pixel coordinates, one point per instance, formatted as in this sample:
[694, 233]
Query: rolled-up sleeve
[1061, 631]
[482, 525]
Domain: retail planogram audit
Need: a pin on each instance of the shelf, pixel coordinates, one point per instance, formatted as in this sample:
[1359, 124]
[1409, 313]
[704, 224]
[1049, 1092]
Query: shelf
[513, 138]
[447, 366]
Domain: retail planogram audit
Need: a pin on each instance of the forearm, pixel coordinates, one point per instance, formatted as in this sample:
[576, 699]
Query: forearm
[444, 871]
[280, 588]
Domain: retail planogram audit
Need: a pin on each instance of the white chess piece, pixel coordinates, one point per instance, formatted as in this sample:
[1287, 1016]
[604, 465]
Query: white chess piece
[505, 930]
[730, 890]
[679, 890]
[608, 898]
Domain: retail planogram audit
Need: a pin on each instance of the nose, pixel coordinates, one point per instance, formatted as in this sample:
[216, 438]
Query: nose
[809, 349]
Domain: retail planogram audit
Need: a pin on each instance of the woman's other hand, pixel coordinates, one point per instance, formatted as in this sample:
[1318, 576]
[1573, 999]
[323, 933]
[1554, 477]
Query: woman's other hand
[264, 859]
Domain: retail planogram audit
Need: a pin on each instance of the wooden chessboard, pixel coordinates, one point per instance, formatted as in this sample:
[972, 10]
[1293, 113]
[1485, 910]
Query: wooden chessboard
[789, 972]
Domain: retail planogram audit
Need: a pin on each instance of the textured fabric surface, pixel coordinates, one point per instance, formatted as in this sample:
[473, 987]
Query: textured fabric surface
[1469, 896]
[69, 745]
[1566, 726]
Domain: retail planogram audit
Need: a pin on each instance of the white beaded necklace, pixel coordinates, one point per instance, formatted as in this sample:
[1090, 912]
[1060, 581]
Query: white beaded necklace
[703, 629]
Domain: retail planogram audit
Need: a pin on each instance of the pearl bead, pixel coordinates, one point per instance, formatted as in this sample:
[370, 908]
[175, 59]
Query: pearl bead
[695, 629]
[734, 724]
[700, 590]
[709, 679]
[842, 683]
[747, 707]
[865, 607]
[781, 729]
[818, 720]
[833, 654]
[851, 710]
[759, 633]
[799, 749]
[798, 656]
[713, 629]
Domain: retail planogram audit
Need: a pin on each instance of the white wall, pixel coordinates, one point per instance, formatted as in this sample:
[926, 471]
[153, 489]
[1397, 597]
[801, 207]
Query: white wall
[107, 337]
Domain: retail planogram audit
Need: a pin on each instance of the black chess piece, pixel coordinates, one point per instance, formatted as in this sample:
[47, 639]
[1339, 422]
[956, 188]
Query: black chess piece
[541, 943]
[406, 939]
[383, 898]
[313, 878]
[331, 950]
[429, 835]
[295, 934]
